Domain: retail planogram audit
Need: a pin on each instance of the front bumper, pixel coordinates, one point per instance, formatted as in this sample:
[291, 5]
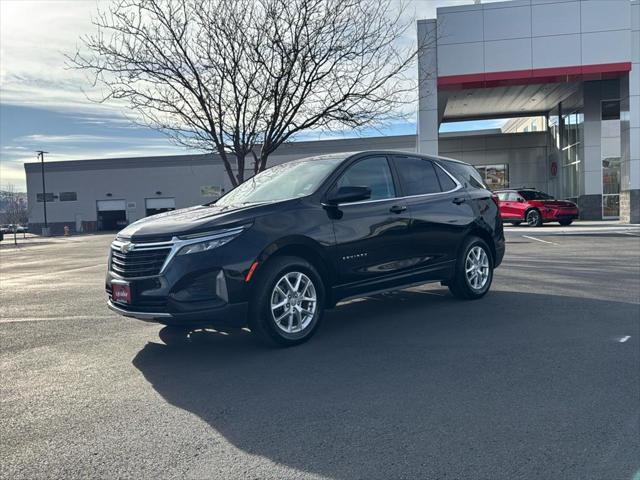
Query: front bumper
[554, 215]
[229, 315]
[206, 288]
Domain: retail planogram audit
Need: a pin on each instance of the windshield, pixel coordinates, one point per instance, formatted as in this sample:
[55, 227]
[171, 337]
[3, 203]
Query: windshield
[283, 182]
[534, 195]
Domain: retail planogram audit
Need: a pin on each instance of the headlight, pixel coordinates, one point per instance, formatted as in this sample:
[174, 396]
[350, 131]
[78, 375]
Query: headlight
[206, 245]
[202, 242]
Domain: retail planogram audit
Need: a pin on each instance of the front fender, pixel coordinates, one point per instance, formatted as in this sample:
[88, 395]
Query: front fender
[300, 245]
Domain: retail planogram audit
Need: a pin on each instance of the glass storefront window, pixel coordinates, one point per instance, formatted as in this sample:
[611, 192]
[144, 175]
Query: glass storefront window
[611, 110]
[572, 144]
[553, 126]
[611, 176]
[495, 176]
[610, 206]
[610, 151]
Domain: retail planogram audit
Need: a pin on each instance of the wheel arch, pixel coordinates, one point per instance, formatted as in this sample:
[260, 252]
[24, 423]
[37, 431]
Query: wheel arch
[526, 212]
[487, 237]
[306, 248]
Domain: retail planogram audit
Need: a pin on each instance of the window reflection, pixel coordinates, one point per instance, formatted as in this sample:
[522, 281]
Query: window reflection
[610, 151]
[495, 176]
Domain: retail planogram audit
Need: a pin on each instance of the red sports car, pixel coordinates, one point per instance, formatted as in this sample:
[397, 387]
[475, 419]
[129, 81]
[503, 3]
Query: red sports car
[534, 207]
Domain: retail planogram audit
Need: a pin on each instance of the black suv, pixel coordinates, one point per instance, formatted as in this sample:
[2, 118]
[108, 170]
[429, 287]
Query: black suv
[274, 252]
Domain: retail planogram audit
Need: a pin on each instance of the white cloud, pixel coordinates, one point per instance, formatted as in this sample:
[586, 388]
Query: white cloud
[35, 35]
[12, 169]
[37, 139]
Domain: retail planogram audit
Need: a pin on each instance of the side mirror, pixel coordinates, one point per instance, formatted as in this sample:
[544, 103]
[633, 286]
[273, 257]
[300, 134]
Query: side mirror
[349, 194]
[521, 200]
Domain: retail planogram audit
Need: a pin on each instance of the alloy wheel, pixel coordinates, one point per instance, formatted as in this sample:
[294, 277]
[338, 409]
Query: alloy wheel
[533, 218]
[293, 302]
[477, 267]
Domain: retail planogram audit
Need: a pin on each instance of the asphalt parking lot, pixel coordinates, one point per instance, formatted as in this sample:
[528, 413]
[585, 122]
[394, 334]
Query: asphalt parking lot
[538, 380]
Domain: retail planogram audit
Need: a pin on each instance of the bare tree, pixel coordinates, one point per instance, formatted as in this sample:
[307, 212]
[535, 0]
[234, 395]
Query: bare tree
[241, 77]
[15, 211]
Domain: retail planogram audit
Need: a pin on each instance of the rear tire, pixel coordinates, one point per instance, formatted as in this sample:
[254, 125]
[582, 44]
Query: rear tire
[534, 218]
[565, 223]
[474, 270]
[288, 302]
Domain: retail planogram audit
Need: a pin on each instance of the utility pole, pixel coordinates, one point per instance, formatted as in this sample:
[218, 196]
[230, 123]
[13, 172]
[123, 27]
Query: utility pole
[45, 230]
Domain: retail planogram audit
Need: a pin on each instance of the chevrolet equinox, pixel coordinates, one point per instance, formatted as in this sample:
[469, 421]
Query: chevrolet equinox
[276, 251]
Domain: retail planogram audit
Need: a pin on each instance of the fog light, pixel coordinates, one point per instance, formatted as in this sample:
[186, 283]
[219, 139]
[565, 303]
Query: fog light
[202, 287]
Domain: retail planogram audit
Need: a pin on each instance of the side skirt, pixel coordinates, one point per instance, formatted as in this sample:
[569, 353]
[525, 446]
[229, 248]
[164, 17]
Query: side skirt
[385, 290]
[434, 274]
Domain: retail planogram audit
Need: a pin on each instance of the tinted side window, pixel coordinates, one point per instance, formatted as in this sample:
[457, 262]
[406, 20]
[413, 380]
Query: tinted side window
[534, 195]
[445, 180]
[418, 176]
[371, 172]
[466, 174]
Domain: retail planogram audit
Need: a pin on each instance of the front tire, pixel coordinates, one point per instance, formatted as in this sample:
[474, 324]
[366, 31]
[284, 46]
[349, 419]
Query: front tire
[474, 270]
[534, 219]
[174, 335]
[288, 302]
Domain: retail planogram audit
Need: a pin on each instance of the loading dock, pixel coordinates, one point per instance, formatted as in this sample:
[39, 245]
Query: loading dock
[112, 214]
[153, 206]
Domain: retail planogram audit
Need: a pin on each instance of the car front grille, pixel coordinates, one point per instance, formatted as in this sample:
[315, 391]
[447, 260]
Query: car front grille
[141, 261]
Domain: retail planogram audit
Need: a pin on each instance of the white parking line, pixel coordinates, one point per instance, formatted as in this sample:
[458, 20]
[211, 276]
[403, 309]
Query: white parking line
[624, 339]
[57, 318]
[538, 240]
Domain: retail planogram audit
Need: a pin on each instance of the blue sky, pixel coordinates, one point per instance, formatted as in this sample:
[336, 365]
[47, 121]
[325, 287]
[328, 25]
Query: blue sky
[44, 105]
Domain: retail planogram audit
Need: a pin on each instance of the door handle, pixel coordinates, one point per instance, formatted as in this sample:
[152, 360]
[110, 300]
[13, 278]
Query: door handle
[459, 200]
[398, 208]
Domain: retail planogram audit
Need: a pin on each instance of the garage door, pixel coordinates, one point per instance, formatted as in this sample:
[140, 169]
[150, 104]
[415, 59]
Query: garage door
[112, 215]
[155, 206]
[161, 203]
[111, 205]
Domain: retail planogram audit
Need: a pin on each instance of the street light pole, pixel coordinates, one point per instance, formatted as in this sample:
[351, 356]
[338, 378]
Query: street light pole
[44, 189]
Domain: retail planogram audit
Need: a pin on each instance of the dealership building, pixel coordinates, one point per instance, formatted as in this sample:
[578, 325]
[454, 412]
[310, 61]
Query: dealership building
[566, 73]
[574, 62]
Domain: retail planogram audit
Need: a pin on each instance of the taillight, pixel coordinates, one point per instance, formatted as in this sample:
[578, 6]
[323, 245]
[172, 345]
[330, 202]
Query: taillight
[495, 199]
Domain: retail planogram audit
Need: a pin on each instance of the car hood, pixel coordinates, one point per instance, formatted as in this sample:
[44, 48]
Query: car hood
[164, 226]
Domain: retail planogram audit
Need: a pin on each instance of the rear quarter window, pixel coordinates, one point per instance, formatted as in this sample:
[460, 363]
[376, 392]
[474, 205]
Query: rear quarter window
[466, 174]
[446, 181]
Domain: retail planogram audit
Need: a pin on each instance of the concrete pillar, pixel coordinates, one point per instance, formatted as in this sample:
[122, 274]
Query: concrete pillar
[427, 88]
[590, 199]
[630, 128]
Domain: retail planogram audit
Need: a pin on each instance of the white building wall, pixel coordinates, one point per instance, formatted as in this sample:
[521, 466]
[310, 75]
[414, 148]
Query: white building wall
[135, 180]
[522, 35]
[630, 127]
[524, 153]
[532, 34]
[131, 184]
